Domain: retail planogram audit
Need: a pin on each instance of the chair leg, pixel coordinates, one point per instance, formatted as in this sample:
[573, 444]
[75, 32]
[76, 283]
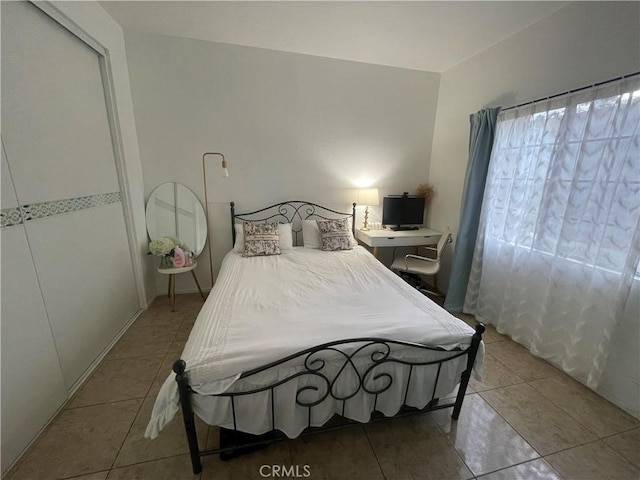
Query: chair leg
[428, 292]
[198, 284]
[173, 294]
[411, 279]
[435, 291]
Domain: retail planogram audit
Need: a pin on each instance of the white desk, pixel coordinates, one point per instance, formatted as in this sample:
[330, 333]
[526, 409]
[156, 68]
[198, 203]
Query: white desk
[401, 238]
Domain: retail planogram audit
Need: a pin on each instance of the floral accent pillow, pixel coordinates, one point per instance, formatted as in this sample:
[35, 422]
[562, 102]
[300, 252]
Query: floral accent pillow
[334, 235]
[284, 229]
[261, 239]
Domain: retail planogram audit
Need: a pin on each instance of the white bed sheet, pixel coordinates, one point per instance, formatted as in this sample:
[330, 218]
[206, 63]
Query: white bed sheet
[262, 309]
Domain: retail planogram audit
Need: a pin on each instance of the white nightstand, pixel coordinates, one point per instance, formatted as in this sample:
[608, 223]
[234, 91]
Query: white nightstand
[172, 281]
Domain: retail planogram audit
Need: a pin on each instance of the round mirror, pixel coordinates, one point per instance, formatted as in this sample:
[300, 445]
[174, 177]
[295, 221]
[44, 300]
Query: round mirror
[174, 211]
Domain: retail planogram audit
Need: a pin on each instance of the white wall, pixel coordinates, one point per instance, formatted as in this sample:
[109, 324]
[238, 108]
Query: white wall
[584, 43]
[291, 126]
[621, 380]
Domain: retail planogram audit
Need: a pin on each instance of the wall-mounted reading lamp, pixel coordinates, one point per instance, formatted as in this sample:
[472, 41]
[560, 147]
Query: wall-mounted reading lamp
[225, 174]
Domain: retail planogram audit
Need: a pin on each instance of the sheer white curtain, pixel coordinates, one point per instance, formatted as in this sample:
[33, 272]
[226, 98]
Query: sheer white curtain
[559, 238]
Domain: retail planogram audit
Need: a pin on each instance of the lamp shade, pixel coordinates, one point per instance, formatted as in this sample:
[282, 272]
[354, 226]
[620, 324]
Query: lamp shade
[368, 197]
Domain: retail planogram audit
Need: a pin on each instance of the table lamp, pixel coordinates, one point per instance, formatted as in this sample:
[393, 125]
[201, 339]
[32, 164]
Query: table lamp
[368, 197]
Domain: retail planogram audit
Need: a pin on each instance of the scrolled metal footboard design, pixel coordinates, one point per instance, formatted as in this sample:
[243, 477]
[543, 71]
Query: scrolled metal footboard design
[336, 370]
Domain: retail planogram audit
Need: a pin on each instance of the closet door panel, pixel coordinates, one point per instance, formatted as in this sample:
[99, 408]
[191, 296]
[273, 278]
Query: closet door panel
[59, 149]
[33, 387]
[83, 264]
[55, 123]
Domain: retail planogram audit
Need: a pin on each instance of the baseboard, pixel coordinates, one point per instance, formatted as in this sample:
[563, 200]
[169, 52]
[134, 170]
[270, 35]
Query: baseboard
[185, 292]
[80, 382]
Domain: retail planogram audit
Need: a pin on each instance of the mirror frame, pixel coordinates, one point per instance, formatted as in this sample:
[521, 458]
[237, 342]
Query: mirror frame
[202, 240]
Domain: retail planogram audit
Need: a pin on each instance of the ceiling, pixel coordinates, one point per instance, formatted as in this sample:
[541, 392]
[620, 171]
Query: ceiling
[421, 35]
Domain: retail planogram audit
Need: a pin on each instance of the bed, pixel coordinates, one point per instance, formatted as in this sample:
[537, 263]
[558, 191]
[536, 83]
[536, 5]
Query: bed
[286, 343]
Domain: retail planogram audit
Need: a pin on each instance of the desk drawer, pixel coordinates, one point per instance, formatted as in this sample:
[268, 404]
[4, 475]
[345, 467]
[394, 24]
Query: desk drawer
[404, 241]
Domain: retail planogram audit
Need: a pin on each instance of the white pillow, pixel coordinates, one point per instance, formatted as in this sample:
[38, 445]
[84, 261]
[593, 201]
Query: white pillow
[284, 230]
[311, 234]
[286, 236]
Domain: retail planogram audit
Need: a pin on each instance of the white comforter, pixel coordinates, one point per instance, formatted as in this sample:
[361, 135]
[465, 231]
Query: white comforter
[264, 308]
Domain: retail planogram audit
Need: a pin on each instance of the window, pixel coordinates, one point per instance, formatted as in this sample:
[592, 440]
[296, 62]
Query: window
[566, 182]
[559, 236]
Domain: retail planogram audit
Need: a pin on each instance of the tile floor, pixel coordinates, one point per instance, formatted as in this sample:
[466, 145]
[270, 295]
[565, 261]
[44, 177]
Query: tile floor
[526, 420]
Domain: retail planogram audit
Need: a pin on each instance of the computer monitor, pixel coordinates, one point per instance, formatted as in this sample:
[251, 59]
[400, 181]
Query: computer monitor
[403, 212]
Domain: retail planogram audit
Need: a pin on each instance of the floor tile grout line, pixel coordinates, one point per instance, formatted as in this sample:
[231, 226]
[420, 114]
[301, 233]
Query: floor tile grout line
[150, 460]
[139, 410]
[582, 444]
[637, 427]
[153, 380]
[534, 448]
[165, 351]
[572, 414]
[374, 452]
[512, 426]
[140, 356]
[497, 387]
[525, 380]
[106, 403]
[455, 450]
[503, 364]
[137, 413]
[509, 339]
[124, 438]
[589, 430]
[517, 464]
[140, 407]
[69, 407]
[82, 475]
[503, 419]
[621, 456]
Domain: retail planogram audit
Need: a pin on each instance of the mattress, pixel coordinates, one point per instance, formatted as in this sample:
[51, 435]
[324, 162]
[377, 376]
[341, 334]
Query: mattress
[262, 309]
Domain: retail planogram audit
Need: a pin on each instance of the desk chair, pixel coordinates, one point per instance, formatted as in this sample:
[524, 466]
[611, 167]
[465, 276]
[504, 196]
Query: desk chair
[415, 266]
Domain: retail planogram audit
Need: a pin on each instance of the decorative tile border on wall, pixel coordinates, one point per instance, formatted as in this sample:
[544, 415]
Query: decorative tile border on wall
[10, 217]
[34, 211]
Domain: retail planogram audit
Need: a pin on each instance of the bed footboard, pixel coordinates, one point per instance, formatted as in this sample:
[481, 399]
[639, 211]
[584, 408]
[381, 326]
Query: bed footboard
[366, 377]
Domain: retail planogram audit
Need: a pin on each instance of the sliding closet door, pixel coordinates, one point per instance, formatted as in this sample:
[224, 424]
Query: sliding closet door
[61, 158]
[32, 384]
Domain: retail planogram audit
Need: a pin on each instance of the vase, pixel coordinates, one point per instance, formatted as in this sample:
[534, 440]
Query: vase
[165, 262]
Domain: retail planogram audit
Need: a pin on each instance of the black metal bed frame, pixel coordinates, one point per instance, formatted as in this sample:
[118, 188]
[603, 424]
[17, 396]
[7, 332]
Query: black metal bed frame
[293, 212]
[361, 357]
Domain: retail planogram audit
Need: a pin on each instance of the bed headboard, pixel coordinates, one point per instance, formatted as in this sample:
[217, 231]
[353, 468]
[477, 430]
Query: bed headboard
[293, 212]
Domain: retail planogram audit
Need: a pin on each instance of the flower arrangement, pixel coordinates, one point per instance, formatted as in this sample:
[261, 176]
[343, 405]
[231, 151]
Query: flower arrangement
[427, 191]
[164, 247]
[171, 252]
